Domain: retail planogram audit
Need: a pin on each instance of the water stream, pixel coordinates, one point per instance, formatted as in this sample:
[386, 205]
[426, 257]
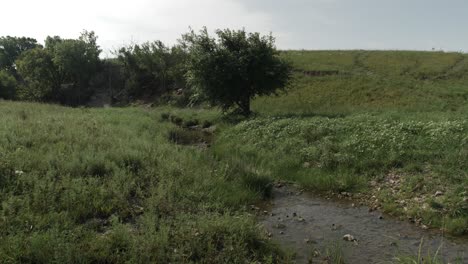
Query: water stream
[308, 225]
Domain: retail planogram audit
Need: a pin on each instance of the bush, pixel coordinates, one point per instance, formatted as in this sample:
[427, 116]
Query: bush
[191, 123]
[7, 85]
[206, 124]
[165, 116]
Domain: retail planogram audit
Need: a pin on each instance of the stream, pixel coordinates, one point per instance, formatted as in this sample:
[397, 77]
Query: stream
[308, 225]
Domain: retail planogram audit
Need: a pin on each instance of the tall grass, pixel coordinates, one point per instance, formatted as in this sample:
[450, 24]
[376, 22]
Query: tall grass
[107, 186]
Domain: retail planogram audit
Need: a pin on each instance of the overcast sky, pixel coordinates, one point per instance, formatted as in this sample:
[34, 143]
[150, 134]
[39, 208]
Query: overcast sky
[297, 24]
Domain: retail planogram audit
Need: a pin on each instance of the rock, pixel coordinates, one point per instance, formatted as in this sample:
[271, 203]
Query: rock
[269, 234]
[438, 193]
[265, 212]
[272, 214]
[301, 219]
[307, 241]
[425, 227]
[349, 238]
[280, 226]
[281, 233]
[19, 172]
[306, 165]
[254, 208]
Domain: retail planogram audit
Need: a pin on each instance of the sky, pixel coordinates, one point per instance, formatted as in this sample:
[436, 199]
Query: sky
[296, 24]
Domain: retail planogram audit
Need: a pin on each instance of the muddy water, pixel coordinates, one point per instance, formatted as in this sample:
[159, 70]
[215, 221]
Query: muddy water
[304, 224]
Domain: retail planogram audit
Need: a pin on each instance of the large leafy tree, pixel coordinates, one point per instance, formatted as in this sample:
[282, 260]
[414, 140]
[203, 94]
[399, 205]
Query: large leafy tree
[152, 68]
[42, 80]
[62, 71]
[235, 67]
[11, 48]
[7, 85]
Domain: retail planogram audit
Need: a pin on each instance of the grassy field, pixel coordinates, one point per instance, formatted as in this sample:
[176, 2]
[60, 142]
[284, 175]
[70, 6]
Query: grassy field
[110, 186]
[107, 186]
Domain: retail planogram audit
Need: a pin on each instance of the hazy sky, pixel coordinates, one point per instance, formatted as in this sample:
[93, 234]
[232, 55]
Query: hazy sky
[297, 24]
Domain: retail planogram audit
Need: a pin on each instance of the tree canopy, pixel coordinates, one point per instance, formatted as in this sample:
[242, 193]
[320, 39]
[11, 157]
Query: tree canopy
[235, 67]
[62, 71]
[11, 48]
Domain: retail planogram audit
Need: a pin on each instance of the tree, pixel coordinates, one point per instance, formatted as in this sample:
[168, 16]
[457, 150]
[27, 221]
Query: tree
[77, 61]
[41, 77]
[62, 71]
[7, 85]
[11, 48]
[152, 68]
[234, 68]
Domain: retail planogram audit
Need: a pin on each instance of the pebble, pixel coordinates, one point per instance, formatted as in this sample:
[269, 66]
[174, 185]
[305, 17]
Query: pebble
[438, 193]
[349, 237]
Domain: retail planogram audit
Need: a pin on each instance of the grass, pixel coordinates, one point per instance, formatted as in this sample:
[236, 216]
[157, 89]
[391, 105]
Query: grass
[421, 258]
[110, 186]
[373, 81]
[107, 186]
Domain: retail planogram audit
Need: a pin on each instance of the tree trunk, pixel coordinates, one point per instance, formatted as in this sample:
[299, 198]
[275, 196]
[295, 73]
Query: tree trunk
[244, 106]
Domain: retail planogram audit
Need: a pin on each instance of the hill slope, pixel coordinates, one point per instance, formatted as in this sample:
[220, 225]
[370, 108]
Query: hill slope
[373, 81]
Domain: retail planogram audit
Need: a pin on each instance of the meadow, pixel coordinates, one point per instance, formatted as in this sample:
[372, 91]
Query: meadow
[132, 185]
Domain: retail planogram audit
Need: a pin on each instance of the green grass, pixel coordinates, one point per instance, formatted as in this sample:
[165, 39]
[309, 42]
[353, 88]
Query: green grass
[386, 112]
[110, 186]
[107, 186]
[377, 81]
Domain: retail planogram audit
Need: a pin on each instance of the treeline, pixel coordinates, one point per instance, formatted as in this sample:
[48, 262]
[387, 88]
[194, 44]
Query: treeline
[70, 71]
[227, 70]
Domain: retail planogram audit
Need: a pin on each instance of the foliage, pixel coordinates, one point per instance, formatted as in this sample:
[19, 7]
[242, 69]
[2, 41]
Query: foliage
[106, 186]
[41, 78]
[62, 71]
[235, 67]
[344, 154]
[153, 68]
[11, 48]
[7, 85]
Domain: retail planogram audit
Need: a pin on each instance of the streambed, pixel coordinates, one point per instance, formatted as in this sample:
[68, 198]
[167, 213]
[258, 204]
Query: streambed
[308, 225]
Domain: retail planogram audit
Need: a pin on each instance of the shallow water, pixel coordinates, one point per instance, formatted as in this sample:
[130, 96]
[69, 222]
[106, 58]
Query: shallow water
[303, 223]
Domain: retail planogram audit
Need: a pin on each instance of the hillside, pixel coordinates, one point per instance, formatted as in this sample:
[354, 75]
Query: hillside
[381, 81]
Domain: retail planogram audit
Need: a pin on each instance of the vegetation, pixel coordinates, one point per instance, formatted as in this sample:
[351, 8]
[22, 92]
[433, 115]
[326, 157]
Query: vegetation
[139, 185]
[11, 48]
[153, 69]
[60, 72]
[107, 186]
[7, 85]
[236, 67]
